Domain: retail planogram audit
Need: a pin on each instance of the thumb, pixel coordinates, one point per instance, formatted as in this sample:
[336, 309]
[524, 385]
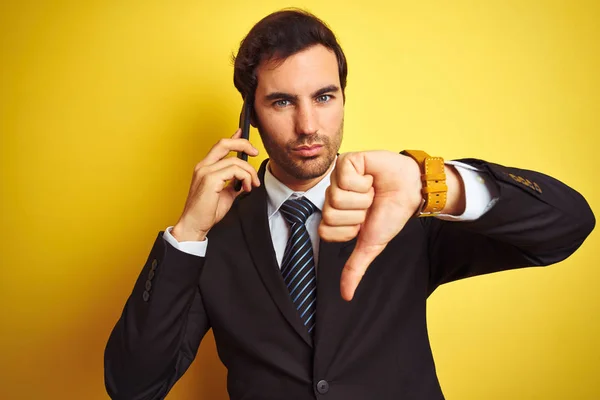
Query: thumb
[356, 266]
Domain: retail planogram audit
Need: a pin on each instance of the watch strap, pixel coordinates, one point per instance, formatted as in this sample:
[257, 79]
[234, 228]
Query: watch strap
[433, 178]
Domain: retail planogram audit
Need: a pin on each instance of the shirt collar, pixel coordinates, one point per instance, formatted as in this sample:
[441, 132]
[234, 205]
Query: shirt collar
[278, 193]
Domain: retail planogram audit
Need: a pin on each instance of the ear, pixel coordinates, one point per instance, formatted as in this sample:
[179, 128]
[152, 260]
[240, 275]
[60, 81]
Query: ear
[253, 119]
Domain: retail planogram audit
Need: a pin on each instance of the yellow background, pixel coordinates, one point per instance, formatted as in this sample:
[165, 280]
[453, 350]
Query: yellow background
[106, 106]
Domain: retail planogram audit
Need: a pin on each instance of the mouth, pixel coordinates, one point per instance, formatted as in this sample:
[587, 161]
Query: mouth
[308, 151]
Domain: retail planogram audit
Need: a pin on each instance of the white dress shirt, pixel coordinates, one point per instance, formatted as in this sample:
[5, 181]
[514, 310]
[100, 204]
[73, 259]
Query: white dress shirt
[480, 193]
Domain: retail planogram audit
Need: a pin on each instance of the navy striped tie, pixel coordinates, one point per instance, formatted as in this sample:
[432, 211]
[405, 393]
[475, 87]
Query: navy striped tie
[298, 264]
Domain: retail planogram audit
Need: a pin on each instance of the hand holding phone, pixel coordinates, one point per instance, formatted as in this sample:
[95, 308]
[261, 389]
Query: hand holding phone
[210, 197]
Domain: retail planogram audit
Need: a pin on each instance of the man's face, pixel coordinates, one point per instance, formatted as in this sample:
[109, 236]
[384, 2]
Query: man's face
[300, 112]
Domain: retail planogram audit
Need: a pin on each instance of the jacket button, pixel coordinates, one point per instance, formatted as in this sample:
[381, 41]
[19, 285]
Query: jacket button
[322, 386]
[154, 264]
[148, 285]
[151, 274]
[146, 295]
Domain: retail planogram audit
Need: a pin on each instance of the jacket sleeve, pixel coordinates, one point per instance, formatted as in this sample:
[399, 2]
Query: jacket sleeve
[159, 332]
[536, 221]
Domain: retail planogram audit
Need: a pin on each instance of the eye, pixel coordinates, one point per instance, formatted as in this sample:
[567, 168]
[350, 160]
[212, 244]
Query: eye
[281, 103]
[324, 98]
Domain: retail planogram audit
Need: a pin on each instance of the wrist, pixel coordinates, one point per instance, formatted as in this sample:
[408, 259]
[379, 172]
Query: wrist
[415, 177]
[456, 199]
[182, 233]
[434, 189]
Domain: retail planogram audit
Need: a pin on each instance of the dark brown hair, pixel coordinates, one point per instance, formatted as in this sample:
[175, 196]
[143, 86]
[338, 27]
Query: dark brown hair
[278, 36]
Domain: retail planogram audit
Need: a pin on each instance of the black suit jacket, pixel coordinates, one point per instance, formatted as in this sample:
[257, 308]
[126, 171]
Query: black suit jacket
[374, 347]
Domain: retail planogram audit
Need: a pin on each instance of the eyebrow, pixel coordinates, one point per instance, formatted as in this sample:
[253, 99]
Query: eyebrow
[288, 96]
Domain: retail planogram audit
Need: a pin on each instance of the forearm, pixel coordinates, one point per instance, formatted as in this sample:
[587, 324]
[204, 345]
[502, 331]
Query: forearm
[545, 217]
[536, 221]
[163, 316]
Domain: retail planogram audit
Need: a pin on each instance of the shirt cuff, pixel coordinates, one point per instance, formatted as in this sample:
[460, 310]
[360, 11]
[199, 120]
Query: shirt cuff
[195, 248]
[481, 193]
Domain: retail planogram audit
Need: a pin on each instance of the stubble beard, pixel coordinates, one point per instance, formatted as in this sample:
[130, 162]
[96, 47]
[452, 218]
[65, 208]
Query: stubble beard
[303, 168]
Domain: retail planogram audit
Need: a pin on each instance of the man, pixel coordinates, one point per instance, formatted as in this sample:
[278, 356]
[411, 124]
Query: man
[314, 277]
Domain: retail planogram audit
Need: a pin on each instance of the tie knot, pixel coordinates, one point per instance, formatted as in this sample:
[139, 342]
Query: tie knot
[297, 211]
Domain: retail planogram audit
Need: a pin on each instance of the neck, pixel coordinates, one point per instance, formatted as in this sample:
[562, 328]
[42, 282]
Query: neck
[297, 185]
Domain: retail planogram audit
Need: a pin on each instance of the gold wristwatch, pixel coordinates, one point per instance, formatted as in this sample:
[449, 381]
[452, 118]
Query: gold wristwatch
[433, 177]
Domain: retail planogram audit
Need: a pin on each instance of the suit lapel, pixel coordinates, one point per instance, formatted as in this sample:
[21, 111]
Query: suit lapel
[255, 226]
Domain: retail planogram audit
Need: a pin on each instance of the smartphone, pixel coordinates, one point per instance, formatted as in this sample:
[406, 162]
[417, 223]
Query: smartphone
[244, 125]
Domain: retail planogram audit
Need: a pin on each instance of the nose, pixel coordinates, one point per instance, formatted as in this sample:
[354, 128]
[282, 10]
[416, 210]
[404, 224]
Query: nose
[306, 119]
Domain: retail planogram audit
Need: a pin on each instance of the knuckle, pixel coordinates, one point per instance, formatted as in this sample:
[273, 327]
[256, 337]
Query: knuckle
[199, 169]
[371, 193]
[324, 232]
[336, 199]
[352, 160]
[248, 168]
[241, 174]
[239, 163]
[239, 166]
[353, 156]
[344, 181]
[326, 217]
[328, 214]
[235, 161]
